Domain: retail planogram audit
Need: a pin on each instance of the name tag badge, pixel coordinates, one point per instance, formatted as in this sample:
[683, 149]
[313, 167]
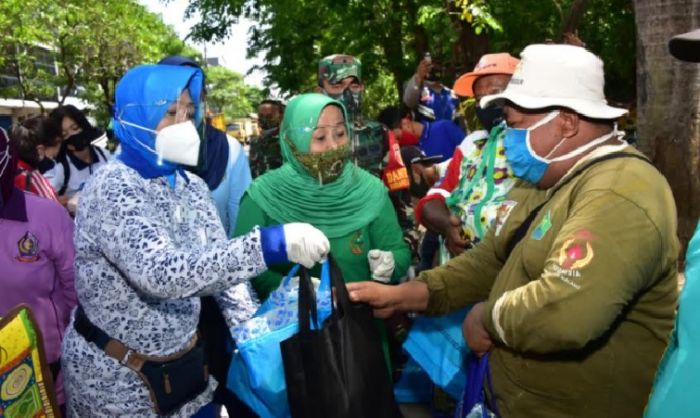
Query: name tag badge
[179, 214]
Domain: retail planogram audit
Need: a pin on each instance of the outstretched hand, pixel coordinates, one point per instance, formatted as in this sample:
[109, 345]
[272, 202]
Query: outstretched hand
[422, 70]
[387, 299]
[381, 297]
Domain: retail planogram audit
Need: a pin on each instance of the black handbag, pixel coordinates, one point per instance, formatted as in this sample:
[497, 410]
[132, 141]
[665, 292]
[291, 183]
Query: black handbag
[336, 369]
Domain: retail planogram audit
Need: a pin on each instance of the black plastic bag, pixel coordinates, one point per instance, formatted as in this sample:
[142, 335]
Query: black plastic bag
[336, 370]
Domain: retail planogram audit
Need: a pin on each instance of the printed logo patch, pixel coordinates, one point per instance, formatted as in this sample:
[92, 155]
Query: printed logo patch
[502, 214]
[28, 247]
[543, 227]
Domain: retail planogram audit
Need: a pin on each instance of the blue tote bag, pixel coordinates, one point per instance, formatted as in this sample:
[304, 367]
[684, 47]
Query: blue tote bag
[256, 374]
[473, 403]
[677, 383]
[437, 345]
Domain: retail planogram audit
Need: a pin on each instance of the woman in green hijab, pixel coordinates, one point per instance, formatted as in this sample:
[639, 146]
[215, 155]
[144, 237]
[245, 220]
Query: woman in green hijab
[318, 184]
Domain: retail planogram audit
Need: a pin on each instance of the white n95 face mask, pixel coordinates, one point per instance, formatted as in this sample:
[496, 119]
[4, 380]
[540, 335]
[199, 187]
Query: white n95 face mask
[179, 143]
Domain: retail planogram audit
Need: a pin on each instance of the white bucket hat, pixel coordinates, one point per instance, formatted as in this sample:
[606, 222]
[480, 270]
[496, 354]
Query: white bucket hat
[559, 75]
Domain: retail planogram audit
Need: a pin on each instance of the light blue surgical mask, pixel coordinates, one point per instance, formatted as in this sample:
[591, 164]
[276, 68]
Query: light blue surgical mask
[529, 166]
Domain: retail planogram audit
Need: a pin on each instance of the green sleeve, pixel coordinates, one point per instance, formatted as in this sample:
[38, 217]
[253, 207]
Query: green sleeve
[386, 235]
[465, 279]
[606, 253]
[249, 216]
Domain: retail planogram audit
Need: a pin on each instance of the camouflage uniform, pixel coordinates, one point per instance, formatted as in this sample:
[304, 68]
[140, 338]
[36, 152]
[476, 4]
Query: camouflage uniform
[369, 144]
[265, 152]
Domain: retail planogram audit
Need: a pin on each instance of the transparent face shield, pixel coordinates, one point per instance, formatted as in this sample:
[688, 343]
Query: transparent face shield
[177, 112]
[203, 111]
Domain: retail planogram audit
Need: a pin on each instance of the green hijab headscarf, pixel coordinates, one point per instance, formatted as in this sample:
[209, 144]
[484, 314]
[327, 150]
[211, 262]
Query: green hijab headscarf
[291, 194]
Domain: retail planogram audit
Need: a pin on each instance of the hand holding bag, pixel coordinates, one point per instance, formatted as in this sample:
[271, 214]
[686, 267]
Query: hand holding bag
[337, 370]
[256, 373]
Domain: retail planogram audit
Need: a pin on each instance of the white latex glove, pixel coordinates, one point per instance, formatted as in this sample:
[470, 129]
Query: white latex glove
[381, 265]
[306, 245]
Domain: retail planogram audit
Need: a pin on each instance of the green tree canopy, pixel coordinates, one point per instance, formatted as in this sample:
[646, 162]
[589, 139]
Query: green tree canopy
[228, 93]
[390, 36]
[93, 44]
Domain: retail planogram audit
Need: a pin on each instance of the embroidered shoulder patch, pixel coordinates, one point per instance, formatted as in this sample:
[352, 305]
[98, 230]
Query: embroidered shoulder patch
[542, 228]
[28, 247]
[502, 214]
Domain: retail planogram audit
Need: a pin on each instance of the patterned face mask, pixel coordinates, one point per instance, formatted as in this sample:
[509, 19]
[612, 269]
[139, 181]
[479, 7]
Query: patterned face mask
[325, 166]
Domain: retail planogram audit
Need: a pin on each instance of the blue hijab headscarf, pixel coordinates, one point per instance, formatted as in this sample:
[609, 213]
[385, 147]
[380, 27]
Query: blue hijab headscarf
[214, 150]
[142, 97]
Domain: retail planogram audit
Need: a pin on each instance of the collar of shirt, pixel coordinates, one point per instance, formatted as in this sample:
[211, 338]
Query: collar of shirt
[15, 209]
[171, 178]
[596, 153]
[80, 164]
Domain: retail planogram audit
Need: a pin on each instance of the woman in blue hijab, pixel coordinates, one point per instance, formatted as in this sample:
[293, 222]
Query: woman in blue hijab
[149, 244]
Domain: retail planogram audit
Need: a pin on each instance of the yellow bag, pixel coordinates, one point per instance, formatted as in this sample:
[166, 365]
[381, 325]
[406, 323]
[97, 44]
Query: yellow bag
[26, 384]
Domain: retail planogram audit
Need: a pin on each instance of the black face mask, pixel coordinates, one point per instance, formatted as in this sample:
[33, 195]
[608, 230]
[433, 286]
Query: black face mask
[267, 123]
[434, 75]
[419, 189]
[82, 139]
[490, 116]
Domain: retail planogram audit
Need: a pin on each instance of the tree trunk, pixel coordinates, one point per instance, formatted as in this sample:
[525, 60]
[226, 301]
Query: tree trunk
[393, 51]
[572, 20]
[420, 38]
[469, 47]
[107, 95]
[668, 93]
[472, 47]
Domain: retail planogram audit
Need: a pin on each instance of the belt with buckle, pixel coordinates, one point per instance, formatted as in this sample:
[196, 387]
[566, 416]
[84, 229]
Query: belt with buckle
[118, 350]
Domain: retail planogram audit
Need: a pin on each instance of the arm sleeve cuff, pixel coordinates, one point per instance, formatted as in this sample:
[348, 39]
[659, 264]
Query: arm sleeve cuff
[437, 296]
[433, 195]
[488, 322]
[274, 246]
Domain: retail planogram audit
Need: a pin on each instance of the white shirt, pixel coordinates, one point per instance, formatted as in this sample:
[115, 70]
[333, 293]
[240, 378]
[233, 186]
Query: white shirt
[79, 171]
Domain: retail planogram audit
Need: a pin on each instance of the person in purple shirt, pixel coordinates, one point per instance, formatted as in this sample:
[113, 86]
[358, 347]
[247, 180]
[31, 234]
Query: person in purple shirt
[36, 259]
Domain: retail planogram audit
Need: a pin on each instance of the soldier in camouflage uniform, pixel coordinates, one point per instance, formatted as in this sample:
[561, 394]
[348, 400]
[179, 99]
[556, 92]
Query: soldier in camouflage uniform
[265, 153]
[340, 77]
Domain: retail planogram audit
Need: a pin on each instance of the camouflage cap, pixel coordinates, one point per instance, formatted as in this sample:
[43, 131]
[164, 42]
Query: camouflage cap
[335, 68]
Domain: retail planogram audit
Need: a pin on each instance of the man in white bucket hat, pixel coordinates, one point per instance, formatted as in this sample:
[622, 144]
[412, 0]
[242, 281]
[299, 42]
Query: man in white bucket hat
[575, 284]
